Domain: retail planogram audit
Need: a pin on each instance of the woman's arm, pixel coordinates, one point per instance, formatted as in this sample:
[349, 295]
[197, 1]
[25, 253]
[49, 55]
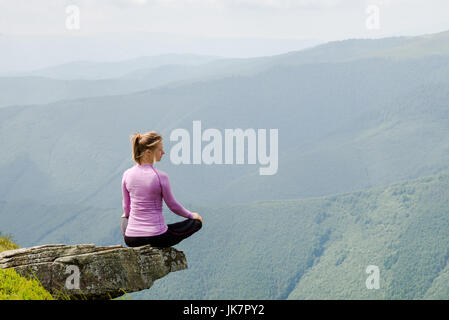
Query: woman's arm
[126, 199]
[170, 200]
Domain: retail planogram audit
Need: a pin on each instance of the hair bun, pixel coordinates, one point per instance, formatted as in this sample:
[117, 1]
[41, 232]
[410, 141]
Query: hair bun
[142, 142]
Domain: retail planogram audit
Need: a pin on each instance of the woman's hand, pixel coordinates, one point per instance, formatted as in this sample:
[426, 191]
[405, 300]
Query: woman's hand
[197, 216]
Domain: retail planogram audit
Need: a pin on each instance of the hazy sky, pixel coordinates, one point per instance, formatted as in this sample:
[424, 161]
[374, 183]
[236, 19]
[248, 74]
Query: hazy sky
[324, 20]
[39, 33]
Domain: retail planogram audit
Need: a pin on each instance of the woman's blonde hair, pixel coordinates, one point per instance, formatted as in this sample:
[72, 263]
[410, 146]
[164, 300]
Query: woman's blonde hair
[142, 142]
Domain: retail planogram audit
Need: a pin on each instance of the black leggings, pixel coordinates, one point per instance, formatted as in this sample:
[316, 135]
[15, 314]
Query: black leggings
[175, 233]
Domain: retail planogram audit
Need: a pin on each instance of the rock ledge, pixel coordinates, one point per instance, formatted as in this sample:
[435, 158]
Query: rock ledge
[88, 272]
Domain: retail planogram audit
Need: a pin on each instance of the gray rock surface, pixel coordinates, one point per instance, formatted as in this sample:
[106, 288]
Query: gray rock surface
[89, 272]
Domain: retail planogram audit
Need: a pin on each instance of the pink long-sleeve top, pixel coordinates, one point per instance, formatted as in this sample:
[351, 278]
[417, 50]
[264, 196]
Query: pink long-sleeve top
[142, 200]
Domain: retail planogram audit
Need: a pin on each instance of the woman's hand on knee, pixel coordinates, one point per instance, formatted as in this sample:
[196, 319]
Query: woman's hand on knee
[197, 216]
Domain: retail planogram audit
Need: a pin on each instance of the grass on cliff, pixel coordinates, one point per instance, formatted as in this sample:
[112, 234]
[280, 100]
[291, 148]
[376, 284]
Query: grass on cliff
[6, 243]
[15, 287]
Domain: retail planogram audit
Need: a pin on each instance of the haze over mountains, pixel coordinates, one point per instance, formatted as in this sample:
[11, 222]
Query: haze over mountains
[352, 115]
[148, 72]
[24, 53]
[89, 79]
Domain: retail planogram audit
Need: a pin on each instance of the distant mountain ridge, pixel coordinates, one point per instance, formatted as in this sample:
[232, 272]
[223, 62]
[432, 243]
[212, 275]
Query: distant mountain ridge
[89, 79]
[362, 179]
[90, 70]
[24, 53]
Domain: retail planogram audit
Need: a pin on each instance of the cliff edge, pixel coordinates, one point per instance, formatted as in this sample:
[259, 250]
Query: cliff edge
[86, 271]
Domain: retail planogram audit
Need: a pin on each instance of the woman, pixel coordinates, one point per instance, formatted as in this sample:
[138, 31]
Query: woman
[143, 188]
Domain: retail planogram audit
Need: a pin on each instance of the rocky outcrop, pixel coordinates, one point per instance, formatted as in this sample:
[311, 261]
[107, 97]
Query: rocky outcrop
[89, 272]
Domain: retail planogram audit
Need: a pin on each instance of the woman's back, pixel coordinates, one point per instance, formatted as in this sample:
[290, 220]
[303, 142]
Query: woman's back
[143, 188]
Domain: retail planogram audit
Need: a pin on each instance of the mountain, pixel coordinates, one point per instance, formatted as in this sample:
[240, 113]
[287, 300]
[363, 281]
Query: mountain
[313, 248]
[350, 127]
[21, 53]
[397, 48]
[320, 248]
[89, 70]
[342, 127]
[88, 79]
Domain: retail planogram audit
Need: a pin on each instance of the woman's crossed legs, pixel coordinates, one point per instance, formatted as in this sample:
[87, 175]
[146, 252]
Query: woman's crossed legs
[175, 233]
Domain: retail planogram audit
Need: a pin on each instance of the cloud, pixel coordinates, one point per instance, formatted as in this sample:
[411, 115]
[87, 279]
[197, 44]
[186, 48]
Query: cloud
[287, 4]
[110, 3]
[131, 2]
[323, 19]
[235, 4]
